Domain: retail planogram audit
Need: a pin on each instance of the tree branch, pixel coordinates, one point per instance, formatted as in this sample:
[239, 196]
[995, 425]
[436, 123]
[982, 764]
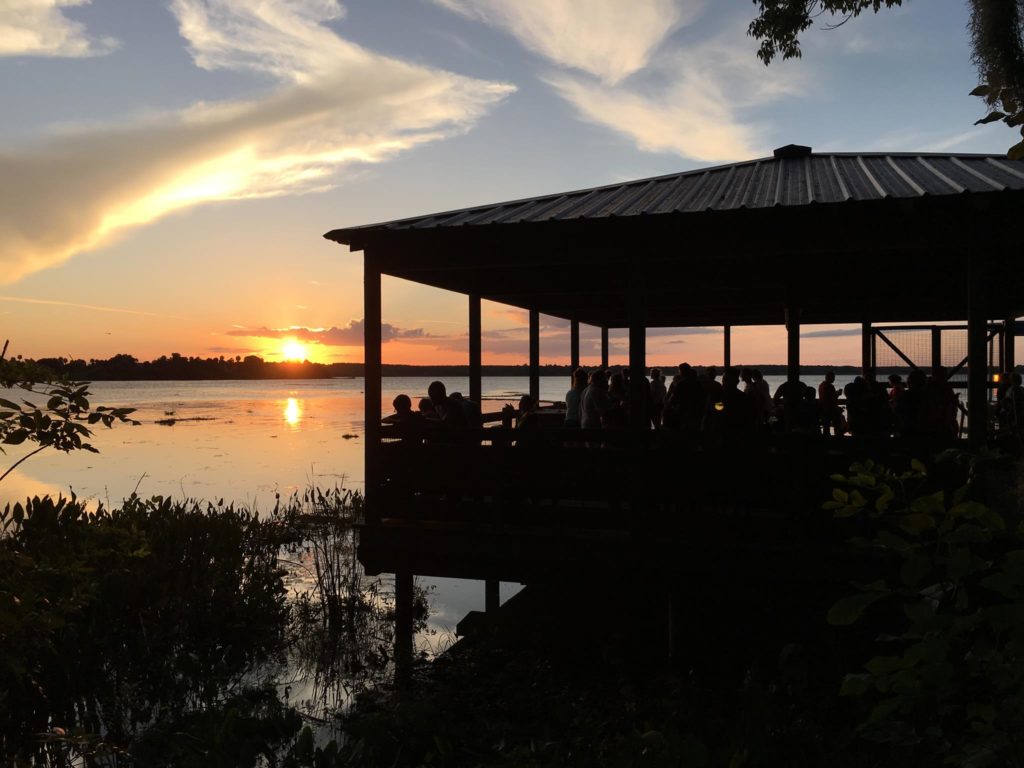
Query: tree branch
[29, 455]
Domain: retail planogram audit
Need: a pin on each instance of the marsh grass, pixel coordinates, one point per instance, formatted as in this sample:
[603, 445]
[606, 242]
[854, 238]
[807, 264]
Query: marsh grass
[162, 632]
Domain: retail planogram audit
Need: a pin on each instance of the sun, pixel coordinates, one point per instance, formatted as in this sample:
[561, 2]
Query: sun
[294, 351]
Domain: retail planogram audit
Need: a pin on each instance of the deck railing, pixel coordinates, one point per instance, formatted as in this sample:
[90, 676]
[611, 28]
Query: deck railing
[610, 479]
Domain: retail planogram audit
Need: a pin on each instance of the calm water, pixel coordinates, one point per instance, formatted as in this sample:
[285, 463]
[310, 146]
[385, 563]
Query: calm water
[246, 442]
[243, 441]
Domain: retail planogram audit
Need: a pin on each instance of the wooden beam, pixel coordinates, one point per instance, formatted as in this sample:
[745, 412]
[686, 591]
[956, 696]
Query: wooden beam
[639, 391]
[936, 352]
[604, 347]
[492, 596]
[574, 344]
[792, 344]
[403, 626]
[1009, 348]
[534, 355]
[727, 346]
[475, 349]
[977, 358]
[371, 384]
[867, 344]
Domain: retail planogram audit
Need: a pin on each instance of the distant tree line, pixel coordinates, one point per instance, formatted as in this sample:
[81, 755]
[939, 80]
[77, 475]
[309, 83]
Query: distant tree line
[124, 367]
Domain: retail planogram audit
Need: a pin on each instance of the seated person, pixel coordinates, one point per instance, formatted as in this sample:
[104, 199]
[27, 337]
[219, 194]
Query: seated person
[527, 418]
[404, 414]
[426, 409]
[450, 412]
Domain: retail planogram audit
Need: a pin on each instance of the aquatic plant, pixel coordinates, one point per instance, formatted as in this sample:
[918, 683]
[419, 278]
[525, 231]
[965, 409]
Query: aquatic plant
[113, 621]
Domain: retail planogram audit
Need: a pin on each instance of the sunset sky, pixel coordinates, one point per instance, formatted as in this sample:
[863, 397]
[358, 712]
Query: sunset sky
[168, 167]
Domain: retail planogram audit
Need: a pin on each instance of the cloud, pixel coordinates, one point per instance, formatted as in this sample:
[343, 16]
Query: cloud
[609, 39]
[336, 104]
[350, 335]
[692, 101]
[91, 307]
[39, 28]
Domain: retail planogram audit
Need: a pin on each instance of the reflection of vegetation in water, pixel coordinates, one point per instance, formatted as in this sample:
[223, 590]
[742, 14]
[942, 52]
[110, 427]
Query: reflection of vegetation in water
[156, 633]
[342, 628]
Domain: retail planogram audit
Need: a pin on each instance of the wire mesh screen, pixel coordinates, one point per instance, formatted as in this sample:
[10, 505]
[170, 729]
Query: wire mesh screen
[915, 343]
[954, 350]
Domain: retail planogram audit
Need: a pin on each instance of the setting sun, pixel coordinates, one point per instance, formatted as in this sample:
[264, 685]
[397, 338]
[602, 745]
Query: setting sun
[293, 350]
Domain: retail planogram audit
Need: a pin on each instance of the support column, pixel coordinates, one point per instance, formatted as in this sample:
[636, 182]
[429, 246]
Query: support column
[604, 348]
[977, 357]
[492, 597]
[1009, 337]
[936, 352]
[372, 385]
[534, 355]
[574, 344]
[867, 356]
[639, 419]
[475, 353]
[403, 626]
[727, 346]
[792, 344]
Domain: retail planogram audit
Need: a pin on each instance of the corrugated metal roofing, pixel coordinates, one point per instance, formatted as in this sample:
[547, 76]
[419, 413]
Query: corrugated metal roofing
[793, 177]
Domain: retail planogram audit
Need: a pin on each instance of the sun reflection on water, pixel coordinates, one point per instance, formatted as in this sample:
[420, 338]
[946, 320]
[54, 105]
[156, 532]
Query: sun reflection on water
[292, 412]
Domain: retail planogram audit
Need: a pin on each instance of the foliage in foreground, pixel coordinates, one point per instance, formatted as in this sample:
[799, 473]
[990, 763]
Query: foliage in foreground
[945, 679]
[64, 423]
[160, 633]
[115, 619]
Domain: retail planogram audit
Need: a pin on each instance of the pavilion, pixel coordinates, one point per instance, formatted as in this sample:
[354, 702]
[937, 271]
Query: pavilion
[796, 238]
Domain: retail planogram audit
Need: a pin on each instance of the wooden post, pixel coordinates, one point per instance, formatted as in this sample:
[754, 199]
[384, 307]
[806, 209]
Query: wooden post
[372, 385]
[604, 348]
[492, 597]
[534, 355]
[727, 346]
[574, 344]
[936, 353]
[639, 419]
[977, 359]
[867, 357]
[475, 353]
[403, 626]
[1009, 337]
[792, 343]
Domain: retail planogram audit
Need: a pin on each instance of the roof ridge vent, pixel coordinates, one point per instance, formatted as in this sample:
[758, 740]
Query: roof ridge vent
[792, 150]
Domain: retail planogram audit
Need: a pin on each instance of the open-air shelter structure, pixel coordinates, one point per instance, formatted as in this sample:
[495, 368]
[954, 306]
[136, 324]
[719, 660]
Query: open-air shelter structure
[794, 239]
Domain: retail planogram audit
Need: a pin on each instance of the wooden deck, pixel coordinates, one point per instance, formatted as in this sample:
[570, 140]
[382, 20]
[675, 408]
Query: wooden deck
[497, 504]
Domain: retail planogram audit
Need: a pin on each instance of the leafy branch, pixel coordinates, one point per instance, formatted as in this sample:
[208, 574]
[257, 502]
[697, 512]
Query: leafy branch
[997, 46]
[947, 618]
[64, 422]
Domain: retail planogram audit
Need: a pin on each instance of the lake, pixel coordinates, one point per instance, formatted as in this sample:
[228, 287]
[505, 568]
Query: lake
[246, 442]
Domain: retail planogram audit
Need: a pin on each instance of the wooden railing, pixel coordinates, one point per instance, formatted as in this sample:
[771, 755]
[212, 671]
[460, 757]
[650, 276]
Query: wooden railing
[614, 479]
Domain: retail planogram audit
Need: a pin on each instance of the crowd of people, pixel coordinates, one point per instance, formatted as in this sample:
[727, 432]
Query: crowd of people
[438, 408]
[696, 403]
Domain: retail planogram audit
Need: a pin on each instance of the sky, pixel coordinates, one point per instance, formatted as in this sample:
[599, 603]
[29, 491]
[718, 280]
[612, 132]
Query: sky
[168, 167]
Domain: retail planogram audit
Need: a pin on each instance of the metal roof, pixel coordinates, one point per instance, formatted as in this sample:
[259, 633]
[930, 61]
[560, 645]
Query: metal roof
[794, 176]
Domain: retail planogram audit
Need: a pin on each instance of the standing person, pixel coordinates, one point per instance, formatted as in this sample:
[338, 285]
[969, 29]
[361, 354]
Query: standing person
[594, 401]
[573, 397]
[828, 399]
[658, 393]
[764, 406]
[896, 389]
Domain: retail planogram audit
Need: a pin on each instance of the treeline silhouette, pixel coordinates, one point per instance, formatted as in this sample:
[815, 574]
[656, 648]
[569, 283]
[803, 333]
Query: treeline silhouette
[124, 367]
